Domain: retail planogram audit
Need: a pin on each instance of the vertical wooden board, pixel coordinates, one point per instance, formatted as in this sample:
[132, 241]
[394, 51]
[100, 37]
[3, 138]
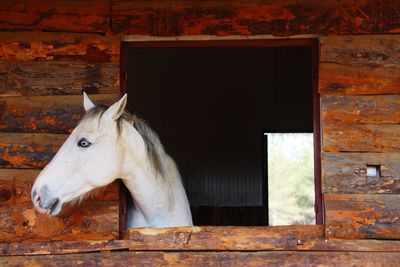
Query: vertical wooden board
[347, 173]
[226, 258]
[57, 77]
[361, 137]
[55, 46]
[383, 109]
[64, 15]
[93, 220]
[47, 114]
[362, 216]
[16, 186]
[31, 151]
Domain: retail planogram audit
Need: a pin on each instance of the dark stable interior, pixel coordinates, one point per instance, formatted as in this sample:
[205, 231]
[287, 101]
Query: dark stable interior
[210, 106]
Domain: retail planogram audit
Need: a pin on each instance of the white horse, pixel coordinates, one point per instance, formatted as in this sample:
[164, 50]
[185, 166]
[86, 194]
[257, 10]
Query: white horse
[106, 145]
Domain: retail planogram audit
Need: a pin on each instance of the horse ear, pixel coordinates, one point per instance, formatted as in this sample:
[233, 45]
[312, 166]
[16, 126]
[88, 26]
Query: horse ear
[87, 103]
[116, 109]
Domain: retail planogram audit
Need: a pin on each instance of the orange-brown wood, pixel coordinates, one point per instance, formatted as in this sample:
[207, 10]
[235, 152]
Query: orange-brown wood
[361, 137]
[47, 114]
[344, 79]
[72, 16]
[356, 216]
[31, 151]
[362, 64]
[347, 173]
[172, 18]
[55, 46]
[383, 109]
[16, 185]
[57, 77]
[306, 244]
[224, 238]
[190, 259]
[97, 220]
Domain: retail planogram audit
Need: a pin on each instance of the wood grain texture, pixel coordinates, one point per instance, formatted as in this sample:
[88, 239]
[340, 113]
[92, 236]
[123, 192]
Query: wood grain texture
[55, 46]
[46, 114]
[275, 258]
[362, 64]
[34, 151]
[356, 216]
[57, 77]
[347, 173]
[16, 185]
[173, 18]
[361, 137]
[93, 220]
[224, 238]
[71, 16]
[343, 79]
[383, 109]
[306, 244]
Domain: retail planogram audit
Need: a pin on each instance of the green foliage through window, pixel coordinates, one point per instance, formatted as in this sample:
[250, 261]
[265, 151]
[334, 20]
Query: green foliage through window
[290, 178]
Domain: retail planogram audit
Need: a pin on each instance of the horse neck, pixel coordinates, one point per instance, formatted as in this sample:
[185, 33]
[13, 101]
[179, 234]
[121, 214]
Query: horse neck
[158, 201]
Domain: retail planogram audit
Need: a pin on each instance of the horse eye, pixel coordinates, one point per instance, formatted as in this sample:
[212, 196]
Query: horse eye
[84, 143]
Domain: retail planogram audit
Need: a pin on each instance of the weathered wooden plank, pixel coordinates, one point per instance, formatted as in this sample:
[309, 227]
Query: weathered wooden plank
[172, 18]
[57, 77]
[342, 79]
[96, 220]
[28, 150]
[31, 46]
[361, 137]
[72, 247]
[222, 238]
[362, 216]
[362, 64]
[72, 16]
[361, 50]
[361, 109]
[226, 258]
[16, 185]
[47, 114]
[347, 173]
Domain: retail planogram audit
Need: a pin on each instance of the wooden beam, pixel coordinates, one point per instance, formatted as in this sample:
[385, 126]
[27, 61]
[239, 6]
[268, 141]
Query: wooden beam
[347, 173]
[46, 114]
[222, 238]
[57, 77]
[362, 64]
[356, 216]
[179, 17]
[343, 79]
[55, 46]
[93, 220]
[33, 151]
[225, 258]
[382, 109]
[70, 16]
[16, 185]
[361, 137]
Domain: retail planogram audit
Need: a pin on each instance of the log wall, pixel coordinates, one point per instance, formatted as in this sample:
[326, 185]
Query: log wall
[52, 51]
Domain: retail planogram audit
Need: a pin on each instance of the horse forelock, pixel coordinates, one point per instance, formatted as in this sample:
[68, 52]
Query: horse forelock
[155, 150]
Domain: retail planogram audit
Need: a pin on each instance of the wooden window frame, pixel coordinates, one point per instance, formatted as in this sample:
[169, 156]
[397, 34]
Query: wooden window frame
[199, 41]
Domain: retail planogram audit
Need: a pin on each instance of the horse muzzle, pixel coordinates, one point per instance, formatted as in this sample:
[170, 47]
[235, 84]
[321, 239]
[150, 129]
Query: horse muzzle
[44, 203]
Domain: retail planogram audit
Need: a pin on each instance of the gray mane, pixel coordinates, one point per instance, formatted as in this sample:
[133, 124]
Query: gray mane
[154, 148]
